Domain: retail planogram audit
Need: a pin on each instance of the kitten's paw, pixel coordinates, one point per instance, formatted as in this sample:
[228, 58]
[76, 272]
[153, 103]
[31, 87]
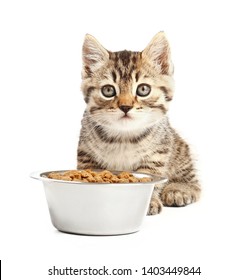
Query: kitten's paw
[180, 194]
[155, 207]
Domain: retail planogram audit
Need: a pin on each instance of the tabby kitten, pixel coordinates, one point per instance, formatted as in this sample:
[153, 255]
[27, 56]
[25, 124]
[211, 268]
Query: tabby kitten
[125, 126]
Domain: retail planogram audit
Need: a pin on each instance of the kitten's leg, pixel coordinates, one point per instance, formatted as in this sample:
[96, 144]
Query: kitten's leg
[180, 194]
[156, 204]
[183, 187]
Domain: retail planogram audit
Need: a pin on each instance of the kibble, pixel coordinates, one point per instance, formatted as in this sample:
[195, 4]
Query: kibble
[89, 176]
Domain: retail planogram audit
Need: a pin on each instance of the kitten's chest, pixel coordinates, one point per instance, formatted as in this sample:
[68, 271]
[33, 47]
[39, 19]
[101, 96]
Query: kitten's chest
[120, 156]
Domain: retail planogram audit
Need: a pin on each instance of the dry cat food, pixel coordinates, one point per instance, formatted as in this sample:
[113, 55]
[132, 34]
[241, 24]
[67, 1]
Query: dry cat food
[89, 176]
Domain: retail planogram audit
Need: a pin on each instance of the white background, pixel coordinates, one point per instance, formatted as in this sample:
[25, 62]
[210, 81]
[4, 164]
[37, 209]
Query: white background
[41, 109]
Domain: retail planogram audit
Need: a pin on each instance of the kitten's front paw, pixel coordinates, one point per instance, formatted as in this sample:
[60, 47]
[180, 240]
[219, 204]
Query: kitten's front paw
[180, 194]
[155, 206]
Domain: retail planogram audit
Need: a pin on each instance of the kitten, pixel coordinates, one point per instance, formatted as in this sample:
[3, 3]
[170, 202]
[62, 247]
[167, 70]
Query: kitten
[125, 126]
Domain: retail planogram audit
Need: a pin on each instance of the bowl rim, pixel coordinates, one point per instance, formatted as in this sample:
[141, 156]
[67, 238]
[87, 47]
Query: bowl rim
[156, 179]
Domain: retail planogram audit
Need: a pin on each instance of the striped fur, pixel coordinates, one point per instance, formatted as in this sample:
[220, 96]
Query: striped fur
[132, 132]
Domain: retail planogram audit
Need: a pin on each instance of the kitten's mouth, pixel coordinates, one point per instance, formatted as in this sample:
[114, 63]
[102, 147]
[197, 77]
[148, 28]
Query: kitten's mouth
[126, 117]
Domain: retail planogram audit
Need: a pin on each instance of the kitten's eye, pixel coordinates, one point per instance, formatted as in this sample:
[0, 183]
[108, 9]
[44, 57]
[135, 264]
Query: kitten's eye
[108, 91]
[143, 90]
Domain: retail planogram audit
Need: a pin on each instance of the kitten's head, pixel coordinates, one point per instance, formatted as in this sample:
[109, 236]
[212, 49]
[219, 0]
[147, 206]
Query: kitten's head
[126, 90]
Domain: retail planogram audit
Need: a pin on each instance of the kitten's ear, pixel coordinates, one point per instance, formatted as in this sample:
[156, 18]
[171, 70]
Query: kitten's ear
[158, 53]
[94, 54]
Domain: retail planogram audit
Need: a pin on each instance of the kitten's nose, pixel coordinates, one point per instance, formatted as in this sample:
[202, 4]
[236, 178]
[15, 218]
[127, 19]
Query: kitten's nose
[125, 108]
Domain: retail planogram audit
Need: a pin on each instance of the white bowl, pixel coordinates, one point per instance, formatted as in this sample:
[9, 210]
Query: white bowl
[97, 208]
